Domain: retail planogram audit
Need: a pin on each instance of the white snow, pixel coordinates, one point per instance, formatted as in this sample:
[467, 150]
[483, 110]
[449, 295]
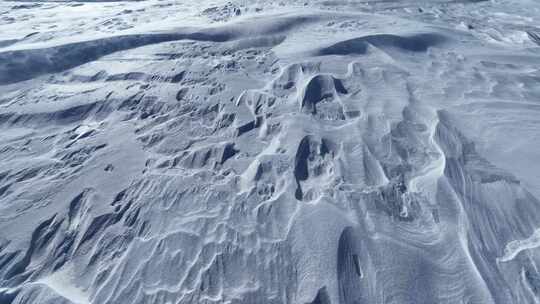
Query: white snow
[216, 151]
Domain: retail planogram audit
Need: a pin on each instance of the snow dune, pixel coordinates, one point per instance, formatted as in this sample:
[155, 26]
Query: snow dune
[328, 152]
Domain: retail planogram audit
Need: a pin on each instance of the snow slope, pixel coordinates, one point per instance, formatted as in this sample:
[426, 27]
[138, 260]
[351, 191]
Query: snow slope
[253, 152]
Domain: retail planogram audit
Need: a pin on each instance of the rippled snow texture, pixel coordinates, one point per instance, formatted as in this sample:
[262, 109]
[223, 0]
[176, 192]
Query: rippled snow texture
[319, 152]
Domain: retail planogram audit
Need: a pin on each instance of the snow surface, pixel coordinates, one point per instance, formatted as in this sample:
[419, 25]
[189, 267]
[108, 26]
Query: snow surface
[326, 151]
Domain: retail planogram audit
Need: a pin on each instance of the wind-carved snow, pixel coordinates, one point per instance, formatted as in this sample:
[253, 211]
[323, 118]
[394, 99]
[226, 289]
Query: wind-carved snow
[513, 248]
[62, 284]
[250, 152]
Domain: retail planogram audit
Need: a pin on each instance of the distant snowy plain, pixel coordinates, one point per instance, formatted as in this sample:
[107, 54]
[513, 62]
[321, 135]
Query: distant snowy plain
[344, 152]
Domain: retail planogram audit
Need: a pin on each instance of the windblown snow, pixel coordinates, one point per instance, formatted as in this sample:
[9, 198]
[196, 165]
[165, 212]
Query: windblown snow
[317, 152]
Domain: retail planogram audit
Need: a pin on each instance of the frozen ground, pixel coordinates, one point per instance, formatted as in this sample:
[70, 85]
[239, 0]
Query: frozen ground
[253, 152]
